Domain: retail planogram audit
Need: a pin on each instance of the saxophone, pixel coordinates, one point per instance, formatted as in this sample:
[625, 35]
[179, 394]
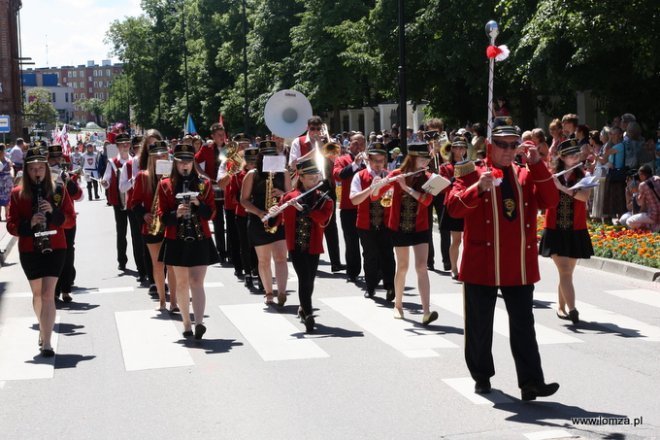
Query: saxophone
[270, 202]
[157, 227]
[41, 237]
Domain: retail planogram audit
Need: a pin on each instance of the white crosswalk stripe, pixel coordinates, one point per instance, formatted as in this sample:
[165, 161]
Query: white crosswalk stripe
[18, 339]
[465, 387]
[409, 338]
[550, 435]
[148, 341]
[642, 296]
[453, 302]
[614, 321]
[272, 335]
[103, 290]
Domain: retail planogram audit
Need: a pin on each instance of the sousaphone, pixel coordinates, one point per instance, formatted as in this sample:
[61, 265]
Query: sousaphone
[286, 113]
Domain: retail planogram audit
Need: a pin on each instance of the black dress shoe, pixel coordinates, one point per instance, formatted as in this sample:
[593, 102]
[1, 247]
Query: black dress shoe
[238, 274]
[446, 266]
[352, 279]
[482, 386]
[389, 295]
[153, 290]
[369, 293]
[574, 316]
[47, 352]
[338, 268]
[532, 391]
[309, 323]
[66, 297]
[248, 282]
[188, 334]
[200, 329]
[121, 266]
[430, 267]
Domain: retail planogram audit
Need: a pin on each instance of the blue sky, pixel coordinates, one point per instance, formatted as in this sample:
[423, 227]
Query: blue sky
[73, 29]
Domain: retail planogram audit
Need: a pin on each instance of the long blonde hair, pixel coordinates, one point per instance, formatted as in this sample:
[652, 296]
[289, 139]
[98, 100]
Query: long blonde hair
[26, 183]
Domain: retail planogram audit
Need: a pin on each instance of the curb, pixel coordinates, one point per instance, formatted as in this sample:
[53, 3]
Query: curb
[622, 268]
[5, 248]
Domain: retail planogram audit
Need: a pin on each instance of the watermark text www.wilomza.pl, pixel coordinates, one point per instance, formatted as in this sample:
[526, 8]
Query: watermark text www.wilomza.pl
[607, 421]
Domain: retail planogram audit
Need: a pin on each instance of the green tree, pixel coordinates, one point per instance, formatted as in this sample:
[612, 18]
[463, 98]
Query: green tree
[116, 107]
[39, 110]
[92, 105]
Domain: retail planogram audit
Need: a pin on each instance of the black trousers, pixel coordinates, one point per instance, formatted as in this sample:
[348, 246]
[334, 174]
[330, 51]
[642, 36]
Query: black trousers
[95, 184]
[378, 254]
[121, 227]
[248, 254]
[219, 229]
[140, 252]
[479, 311]
[445, 236]
[68, 274]
[351, 241]
[332, 237]
[233, 241]
[305, 266]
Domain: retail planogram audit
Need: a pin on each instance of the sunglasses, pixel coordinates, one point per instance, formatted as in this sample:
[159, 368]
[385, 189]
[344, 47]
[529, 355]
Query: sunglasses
[509, 145]
[314, 128]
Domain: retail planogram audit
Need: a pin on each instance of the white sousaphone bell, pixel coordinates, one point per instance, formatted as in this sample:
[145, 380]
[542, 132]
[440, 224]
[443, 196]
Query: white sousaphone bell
[286, 113]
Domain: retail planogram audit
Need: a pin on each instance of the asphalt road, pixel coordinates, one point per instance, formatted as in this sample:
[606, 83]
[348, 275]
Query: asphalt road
[122, 370]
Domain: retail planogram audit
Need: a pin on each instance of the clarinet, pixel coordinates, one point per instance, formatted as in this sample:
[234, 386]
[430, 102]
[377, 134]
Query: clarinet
[41, 237]
[188, 231]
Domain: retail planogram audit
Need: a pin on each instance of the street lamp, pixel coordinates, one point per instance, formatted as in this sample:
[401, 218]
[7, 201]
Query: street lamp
[492, 31]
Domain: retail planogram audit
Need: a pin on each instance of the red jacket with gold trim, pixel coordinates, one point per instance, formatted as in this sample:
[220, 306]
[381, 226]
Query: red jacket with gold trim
[364, 208]
[142, 200]
[422, 205]
[234, 188]
[167, 205]
[20, 215]
[319, 217]
[498, 251]
[343, 172]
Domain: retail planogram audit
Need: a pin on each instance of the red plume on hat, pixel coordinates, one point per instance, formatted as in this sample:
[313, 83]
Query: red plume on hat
[500, 53]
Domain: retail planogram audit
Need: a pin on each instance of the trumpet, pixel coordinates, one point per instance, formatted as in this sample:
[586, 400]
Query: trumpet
[277, 211]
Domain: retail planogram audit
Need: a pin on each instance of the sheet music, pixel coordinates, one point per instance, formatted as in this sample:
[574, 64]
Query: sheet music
[274, 164]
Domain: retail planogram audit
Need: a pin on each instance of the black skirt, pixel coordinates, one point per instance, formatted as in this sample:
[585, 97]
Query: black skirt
[449, 223]
[188, 253]
[37, 265]
[258, 235]
[405, 239]
[572, 244]
[153, 239]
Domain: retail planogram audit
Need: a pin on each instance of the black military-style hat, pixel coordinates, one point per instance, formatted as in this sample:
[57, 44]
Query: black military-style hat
[137, 140]
[35, 155]
[505, 130]
[250, 154]
[54, 150]
[158, 147]
[568, 147]
[307, 166]
[377, 148]
[122, 137]
[268, 148]
[241, 138]
[184, 152]
[420, 149]
[459, 141]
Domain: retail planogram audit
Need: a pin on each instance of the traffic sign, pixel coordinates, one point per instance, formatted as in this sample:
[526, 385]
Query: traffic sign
[4, 124]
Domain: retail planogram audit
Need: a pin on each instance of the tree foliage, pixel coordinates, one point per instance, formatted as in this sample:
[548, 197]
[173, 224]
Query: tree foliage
[185, 56]
[39, 109]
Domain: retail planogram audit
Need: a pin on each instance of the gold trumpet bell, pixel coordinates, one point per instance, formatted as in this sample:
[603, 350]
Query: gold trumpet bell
[331, 150]
[386, 200]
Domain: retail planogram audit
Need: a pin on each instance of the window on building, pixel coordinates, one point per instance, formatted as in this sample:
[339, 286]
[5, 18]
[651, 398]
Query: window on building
[54, 97]
[108, 72]
[90, 90]
[68, 74]
[66, 97]
[89, 78]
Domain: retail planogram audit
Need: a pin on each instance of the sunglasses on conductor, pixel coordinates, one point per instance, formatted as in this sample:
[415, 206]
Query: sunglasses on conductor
[504, 145]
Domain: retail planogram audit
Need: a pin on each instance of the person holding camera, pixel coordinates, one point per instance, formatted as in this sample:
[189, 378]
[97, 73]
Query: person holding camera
[644, 201]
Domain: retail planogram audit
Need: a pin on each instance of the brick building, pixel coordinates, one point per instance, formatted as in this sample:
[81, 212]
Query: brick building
[10, 83]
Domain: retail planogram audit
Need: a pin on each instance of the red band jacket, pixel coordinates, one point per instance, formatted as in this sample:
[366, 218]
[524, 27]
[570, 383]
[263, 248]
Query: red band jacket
[365, 209]
[343, 172]
[21, 212]
[142, 200]
[113, 190]
[306, 230]
[168, 204]
[407, 214]
[499, 238]
[208, 155]
[234, 190]
[569, 213]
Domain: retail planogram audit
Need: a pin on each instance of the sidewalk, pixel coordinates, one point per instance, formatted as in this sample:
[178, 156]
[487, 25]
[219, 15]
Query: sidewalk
[7, 241]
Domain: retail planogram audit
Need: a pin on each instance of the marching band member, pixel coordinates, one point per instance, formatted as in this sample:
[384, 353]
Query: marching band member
[448, 223]
[409, 223]
[499, 202]
[186, 205]
[345, 168]
[117, 168]
[91, 167]
[305, 220]
[70, 182]
[372, 224]
[208, 158]
[38, 210]
[302, 146]
[127, 176]
[248, 254]
[259, 193]
[436, 128]
[144, 205]
[227, 168]
[565, 235]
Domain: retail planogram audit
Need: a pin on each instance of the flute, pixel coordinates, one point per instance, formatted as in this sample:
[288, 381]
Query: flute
[277, 211]
[561, 173]
[389, 180]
